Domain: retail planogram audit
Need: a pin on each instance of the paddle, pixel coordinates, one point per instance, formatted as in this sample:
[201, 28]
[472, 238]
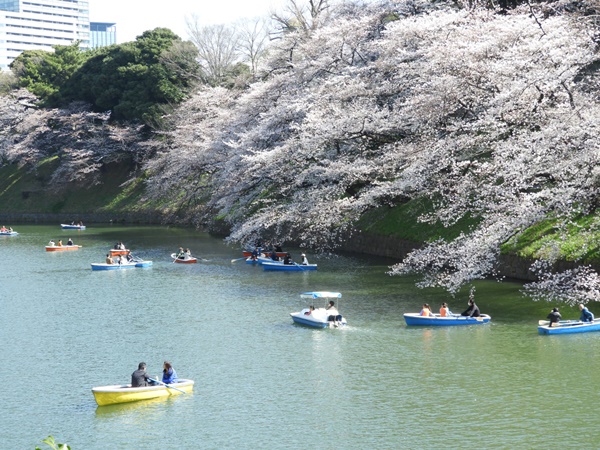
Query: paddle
[299, 265]
[167, 385]
[238, 259]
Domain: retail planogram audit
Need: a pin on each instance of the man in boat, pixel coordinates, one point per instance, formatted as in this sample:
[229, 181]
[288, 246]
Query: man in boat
[274, 256]
[139, 378]
[554, 317]
[472, 310]
[334, 316]
[51, 243]
[304, 260]
[109, 259]
[180, 253]
[586, 314]
[70, 241]
[288, 259]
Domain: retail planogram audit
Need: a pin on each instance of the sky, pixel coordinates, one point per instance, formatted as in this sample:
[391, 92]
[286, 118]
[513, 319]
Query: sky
[133, 17]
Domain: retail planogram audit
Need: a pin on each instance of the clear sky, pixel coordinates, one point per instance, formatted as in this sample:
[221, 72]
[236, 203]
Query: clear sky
[133, 17]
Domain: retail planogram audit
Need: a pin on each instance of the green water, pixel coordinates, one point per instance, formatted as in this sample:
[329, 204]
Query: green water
[261, 381]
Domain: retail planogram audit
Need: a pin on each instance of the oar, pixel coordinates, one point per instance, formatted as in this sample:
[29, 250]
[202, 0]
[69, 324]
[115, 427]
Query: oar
[167, 385]
[238, 259]
[299, 265]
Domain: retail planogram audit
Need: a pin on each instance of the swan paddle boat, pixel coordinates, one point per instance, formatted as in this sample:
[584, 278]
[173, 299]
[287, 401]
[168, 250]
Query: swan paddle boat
[66, 226]
[111, 395]
[437, 321]
[8, 233]
[117, 266]
[187, 259]
[294, 267]
[62, 248]
[568, 327]
[319, 317]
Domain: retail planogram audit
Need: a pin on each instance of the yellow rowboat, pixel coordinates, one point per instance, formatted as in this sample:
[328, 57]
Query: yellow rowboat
[62, 248]
[124, 393]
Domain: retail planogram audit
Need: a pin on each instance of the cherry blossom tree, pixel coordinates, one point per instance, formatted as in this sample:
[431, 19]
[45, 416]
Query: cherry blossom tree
[492, 116]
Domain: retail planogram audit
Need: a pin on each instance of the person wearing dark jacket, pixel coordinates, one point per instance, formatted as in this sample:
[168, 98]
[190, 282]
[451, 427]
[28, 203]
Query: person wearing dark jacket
[554, 316]
[472, 310]
[139, 378]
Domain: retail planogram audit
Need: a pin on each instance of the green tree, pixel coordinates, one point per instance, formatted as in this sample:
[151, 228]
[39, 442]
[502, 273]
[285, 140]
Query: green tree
[132, 80]
[45, 73]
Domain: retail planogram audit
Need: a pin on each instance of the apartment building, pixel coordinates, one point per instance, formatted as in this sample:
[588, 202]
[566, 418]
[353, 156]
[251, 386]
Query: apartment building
[40, 24]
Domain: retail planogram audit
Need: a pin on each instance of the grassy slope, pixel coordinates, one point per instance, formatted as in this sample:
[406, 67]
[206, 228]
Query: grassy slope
[28, 191]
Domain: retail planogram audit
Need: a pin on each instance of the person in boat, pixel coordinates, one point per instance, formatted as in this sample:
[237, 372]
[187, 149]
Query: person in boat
[51, 243]
[109, 259]
[304, 260]
[122, 246]
[274, 256]
[278, 248]
[288, 259]
[334, 316]
[180, 253]
[255, 253]
[310, 310]
[586, 314]
[554, 317]
[59, 243]
[426, 311]
[169, 374]
[3, 229]
[70, 241]
[129, 257]
[472, 309]
[188, 253]
[120, 259]
[445, 311]
[140, 377]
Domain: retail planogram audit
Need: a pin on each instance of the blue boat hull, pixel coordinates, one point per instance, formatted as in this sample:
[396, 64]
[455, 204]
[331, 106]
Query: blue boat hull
[437, 321]
[288, 267]
[571, 327]
[104, 266]
[310, 323]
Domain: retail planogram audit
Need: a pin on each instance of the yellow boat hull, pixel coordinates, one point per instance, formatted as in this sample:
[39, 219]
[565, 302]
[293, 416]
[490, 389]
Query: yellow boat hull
[112, 395]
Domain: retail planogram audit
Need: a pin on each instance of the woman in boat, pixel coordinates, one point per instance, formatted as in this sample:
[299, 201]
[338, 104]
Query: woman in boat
[169, 374]
[426, 311]
[334, 316]
[59, 243]
[445, 311]
[554, 316]
[586, 314]
[51, 243]
[304, 260]
[472, 310]
[109, 259]
[287, 259]
[70, 241]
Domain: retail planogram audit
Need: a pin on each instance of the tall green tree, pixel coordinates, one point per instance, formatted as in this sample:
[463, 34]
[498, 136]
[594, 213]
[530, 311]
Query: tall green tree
[46, 73]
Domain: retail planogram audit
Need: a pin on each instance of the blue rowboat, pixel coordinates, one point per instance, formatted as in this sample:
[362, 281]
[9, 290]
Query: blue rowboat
[570, 327]
[8, 233]
[261, 260]
[288, 267]
[65, 226]
[128, 265]
[450, 321]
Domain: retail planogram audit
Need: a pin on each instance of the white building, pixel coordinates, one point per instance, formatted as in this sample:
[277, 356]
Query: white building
[40, 24]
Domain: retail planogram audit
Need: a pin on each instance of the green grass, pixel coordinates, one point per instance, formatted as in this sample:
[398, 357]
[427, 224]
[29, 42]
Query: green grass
[578, 241]
[401, 222]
